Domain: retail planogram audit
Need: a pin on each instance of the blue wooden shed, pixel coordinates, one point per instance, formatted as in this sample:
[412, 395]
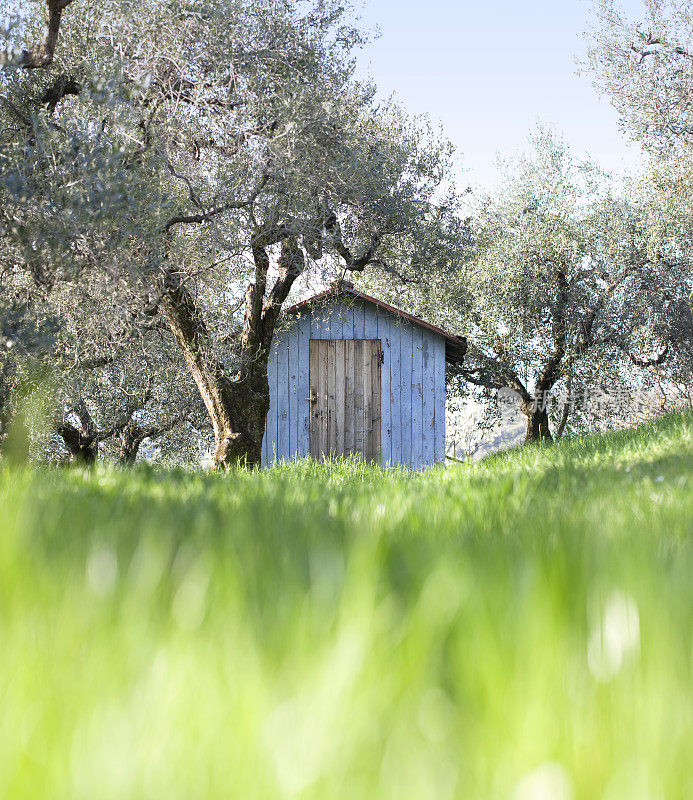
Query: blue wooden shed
[352, 375]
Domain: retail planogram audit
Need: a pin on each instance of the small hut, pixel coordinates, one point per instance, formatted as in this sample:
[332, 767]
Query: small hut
[352, 375]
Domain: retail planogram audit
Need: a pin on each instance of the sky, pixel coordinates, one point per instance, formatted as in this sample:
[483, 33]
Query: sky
[489, 70]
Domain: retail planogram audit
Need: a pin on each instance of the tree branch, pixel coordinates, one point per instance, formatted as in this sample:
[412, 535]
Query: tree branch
[650, 45]
[27, 121]
[648, 362]
[42, 56]
[204, 216]
[291, 264]
[352, 263]
[62, 86]
[549, 374]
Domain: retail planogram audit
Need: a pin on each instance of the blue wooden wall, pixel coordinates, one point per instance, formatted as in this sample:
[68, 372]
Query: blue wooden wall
[412, 382]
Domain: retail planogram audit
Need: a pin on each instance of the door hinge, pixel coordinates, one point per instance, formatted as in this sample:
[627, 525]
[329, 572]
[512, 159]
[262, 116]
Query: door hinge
[381, 357]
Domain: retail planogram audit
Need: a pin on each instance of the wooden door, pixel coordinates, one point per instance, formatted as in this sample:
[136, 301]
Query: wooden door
[345, 398]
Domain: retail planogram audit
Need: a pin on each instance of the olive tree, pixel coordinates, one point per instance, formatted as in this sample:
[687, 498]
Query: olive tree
[645, 66]
[560, 285]
[109, 400]
[224, 149]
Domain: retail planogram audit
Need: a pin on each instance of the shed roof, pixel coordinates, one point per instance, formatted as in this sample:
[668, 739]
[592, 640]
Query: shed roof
[455, 346]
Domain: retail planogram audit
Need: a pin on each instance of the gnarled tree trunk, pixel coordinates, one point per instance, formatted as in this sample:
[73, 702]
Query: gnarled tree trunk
[82, 445]
[82, 448]
[537, 419]
[130, 441]
[132, 435]
[246, 403]
[237, 405]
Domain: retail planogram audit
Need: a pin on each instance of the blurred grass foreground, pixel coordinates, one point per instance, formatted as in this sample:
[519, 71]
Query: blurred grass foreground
[520, 628]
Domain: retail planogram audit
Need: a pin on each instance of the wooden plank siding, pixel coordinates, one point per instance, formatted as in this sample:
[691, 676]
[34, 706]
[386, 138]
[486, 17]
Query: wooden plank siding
[394, 389]
[357, 314]
[334, 400]
[368, 411]
[428, 397]
[315, 389]
[349, 434]
[327, 363]
[370, 333]
[358, 397]
[416, 397]
[283, 398]
[292, 388]
[439, 412]
[410, 390]
[385, 406]
[375, 420]
[303, 386]
[405, 390]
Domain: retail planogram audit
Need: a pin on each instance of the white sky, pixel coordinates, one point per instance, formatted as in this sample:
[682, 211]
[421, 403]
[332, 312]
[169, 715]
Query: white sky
[488, 70]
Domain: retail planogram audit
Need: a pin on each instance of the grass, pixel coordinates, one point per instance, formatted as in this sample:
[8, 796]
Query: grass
[519, 628]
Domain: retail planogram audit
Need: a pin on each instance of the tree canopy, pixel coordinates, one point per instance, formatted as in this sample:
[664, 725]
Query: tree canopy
[207, 156]
[561, 286]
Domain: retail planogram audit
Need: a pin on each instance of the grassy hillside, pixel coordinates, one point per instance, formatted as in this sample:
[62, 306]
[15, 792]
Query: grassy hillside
[521, 628]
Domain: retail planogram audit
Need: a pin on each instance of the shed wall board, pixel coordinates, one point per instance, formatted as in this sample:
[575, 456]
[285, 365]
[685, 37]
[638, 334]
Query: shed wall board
[394, 389]
[358, 319]
[439, 403]
[283, 451]
[303, 386]
[383, 334]
[427, 397]
[293, 392]
[405, 385]
[412, 382]
[416, 396]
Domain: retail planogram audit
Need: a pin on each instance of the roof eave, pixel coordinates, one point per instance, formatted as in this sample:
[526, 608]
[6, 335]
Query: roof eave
[455, 346]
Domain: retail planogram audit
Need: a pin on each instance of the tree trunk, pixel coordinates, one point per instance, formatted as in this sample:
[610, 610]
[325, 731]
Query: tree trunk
[537, 423]
[82, 448]
[130, 441]
[132, 436]
[237, 407]
[239, 440]
[82, 445]
[564, 418]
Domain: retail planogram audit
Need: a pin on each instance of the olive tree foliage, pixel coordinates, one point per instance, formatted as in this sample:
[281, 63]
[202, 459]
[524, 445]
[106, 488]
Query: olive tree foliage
[24, 345]
[207, 156]
[561, 288]
[115, 386]
[82, 341]
[103, 386]
[645, 66]
[66, 230]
